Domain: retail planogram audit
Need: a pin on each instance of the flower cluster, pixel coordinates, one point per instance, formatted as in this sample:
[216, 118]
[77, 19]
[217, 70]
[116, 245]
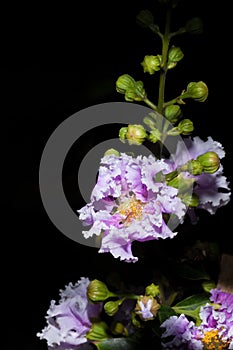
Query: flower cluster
[214, 332]
[134, 197]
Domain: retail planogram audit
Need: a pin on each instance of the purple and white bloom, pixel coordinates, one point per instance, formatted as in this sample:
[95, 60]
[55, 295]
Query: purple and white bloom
[128, 204]
[182, 334]
[145, 310]
[214, 332]
[212, 189]
[69, 321]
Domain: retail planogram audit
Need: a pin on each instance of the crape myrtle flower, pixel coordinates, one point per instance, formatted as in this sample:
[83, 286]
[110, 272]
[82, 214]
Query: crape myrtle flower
[128, 204]
[212, 189]
[68, 322]
[214, 332]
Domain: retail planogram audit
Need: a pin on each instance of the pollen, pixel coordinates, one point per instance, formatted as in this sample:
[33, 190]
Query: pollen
[212, 341]
[131, 209]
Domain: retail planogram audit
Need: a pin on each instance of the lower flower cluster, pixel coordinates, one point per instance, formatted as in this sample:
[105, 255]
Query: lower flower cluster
[214, 332]
[88, 312]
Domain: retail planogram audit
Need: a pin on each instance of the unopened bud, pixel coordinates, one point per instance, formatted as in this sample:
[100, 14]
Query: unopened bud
[195, 167]
[151, 64]
[145, 18]
[152, 290]
[112, 151]
[194, 26]
[98, 331]
[122, 133]
[198, 91]
[111, 307]
[98, 291]
[136, 134]
[174, 55]
[154, 136]
[119, 329]
[210, 162]
[133, 90]
[185, 126]
[125, 82]
[173, 113]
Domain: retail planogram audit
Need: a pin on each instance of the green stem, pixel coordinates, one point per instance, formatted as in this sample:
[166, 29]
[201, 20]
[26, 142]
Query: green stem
[165, 47]
[130, 296]
[150, 104]
[175, 100]
[182, 30]
[163, 72]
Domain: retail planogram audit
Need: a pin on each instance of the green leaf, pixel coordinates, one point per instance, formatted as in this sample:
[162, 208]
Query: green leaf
[192, 273]
[165, 312]
[117, 344]
[191, 305]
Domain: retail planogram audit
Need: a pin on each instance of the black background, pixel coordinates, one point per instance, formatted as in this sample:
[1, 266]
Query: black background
[59, 60]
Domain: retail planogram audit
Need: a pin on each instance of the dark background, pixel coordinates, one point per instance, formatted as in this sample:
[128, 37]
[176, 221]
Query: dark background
[60, 60]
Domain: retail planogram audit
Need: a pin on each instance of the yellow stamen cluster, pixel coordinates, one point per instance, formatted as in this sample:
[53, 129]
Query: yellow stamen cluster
[212, 341]
[130, 209]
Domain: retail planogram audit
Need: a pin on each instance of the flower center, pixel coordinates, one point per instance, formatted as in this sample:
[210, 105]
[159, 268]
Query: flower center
[212, 341]
[131, 209]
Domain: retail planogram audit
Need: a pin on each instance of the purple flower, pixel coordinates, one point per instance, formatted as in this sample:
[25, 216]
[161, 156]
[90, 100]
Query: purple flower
[182, 334]
[69, 321]
[212, 189]
[214, 332]
[128, 203]
[221, 318]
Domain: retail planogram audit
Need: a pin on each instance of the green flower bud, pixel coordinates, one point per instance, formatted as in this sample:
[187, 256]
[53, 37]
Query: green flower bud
[122, 133]
[210, 162]
[198, 91]
[174, 55]
[145, 301]
[98, 331]
[136, 134]
[194, 26]
[132, 90]
[154, 136]
[119, 329]
[152, 290]
[173, 132]
[111, 307]
[139, 91]
[98, 291]
[185, 126]
[130, 95]
[173, 113]
[112, 151]
[151, 64]
[125, 82]
[194, 167]
[145, 18]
